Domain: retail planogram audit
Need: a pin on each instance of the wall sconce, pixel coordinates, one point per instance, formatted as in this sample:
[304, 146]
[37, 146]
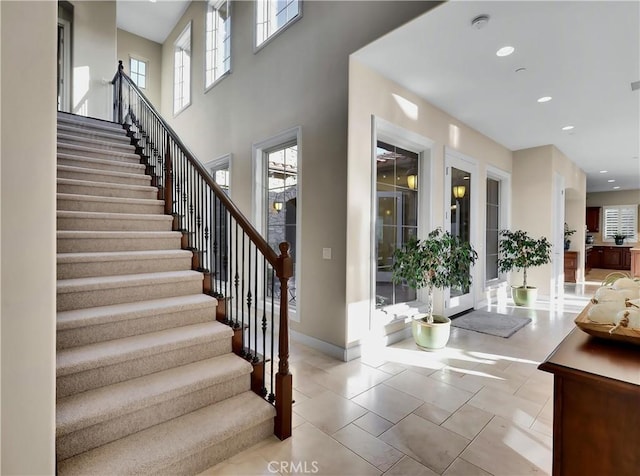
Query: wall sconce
[412, 181]
[277, 206]
[459, 191]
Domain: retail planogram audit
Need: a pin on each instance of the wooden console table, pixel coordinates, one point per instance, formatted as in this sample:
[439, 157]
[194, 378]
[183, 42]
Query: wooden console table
[596, 406]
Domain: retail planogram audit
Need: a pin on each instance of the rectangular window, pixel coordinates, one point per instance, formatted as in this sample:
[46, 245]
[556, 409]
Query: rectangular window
[138, 72]
[218, 41]
[182, 71]
[282, 203]
[396, 216]
[492, 228]
[273, 15]
[621, 220]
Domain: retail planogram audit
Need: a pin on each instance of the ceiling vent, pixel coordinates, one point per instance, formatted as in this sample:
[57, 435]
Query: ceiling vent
[480, 21]
[635, 85]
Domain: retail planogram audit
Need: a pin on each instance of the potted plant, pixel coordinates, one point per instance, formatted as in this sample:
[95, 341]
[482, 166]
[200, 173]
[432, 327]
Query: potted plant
[518, 250]
[441, 261]
[567, 234]
[619, 238]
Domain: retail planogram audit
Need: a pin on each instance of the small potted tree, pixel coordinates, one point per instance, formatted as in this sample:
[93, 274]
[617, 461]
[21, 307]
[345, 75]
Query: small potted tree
[567, 234]
[518, 250]
[439, 261]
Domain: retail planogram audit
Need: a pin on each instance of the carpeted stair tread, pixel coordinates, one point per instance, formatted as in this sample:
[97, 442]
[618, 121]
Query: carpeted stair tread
[94, 142]
[102, 354]
[115, 136]
[101, 404]
[152, 450]
[94, 240]
[86, 234]
[96, 150]
[116, 186]
[135, 310]
[119, 256]
[85, 121]
[133, 164]
[94, 198]
[138, 177]
[115, 216]
[126, 280]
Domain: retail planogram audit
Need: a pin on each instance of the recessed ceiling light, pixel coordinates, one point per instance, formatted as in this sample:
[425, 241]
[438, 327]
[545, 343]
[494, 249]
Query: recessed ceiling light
[603, 171]
[545, 99]
[616, 188]
[505, 51]
[466, 177]
[611, 180]
[567, 128]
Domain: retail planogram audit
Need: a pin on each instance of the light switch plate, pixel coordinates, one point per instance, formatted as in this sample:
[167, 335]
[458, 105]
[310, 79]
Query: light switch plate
[326, 253]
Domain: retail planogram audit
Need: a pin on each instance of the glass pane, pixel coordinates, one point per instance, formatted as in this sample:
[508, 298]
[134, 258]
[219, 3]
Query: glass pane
[396, 216]
[142, 67]
[460, 212]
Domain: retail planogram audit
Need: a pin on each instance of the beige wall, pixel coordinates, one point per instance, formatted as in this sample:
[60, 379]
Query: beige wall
[533, 187]
[27, 237]
[94, 58]
[373, 95]
[290, 82]
[130, 45]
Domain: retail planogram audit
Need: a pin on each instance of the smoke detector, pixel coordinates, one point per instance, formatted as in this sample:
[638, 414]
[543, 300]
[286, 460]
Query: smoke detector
[480, 21]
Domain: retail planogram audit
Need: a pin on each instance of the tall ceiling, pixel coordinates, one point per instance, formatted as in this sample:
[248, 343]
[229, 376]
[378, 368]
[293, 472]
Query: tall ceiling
[152, 20]
[584, 54]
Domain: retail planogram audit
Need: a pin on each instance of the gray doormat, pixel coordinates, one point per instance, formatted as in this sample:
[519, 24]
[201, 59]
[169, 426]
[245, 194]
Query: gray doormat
[492, 323]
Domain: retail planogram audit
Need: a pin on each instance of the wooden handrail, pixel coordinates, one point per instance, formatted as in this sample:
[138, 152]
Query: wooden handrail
[235, 212]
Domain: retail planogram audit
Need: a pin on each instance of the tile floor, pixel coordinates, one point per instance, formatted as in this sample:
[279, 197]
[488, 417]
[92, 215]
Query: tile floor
[477, 407]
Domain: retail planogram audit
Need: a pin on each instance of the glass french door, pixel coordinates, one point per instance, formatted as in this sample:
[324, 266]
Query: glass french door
[460, 220]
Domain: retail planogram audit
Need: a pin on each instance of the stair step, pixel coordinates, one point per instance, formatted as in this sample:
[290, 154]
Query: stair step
[86, 265]
[96, 417]
[92, 175]
[95, 143]
[104, 363]
[89, 122]
[70, 241]
[102, 189]
[91, 203]
[126, 165]
[96, 221]
[187, 444]
[81, 293]
[94, 151]
[97, 324]
[118, 136]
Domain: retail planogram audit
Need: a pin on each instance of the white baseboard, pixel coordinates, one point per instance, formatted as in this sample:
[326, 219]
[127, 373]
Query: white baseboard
[352, 352]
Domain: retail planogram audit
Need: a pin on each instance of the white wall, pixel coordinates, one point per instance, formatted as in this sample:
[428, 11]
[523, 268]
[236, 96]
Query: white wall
[130, 45]
[27, 236]
[93, 58]
[298, 79]
[371, 94]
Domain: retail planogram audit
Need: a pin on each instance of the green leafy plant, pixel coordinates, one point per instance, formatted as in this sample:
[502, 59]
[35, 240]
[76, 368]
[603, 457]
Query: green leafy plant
[618, 236]
[567, 231]
[518, 250]
[441, 260]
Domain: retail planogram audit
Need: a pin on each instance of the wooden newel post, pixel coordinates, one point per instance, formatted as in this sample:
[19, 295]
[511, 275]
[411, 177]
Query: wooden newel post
[284, 381]
[120, 71]
[168, 180]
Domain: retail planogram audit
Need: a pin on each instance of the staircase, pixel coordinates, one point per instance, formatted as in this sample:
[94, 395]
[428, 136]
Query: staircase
[146, 378]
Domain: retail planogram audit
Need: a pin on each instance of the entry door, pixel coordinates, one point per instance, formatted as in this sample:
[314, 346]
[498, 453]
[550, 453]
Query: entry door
[460, 220]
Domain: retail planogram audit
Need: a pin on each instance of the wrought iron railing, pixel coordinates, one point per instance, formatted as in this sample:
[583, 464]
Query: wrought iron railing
[239, 266]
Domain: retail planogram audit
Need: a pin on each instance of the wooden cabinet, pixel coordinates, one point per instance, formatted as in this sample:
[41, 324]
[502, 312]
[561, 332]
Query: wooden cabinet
[626, 258]
[596, 425]
[570, 266]
[595, 257]
[611, 257]
[587, 260]
[593, 219]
